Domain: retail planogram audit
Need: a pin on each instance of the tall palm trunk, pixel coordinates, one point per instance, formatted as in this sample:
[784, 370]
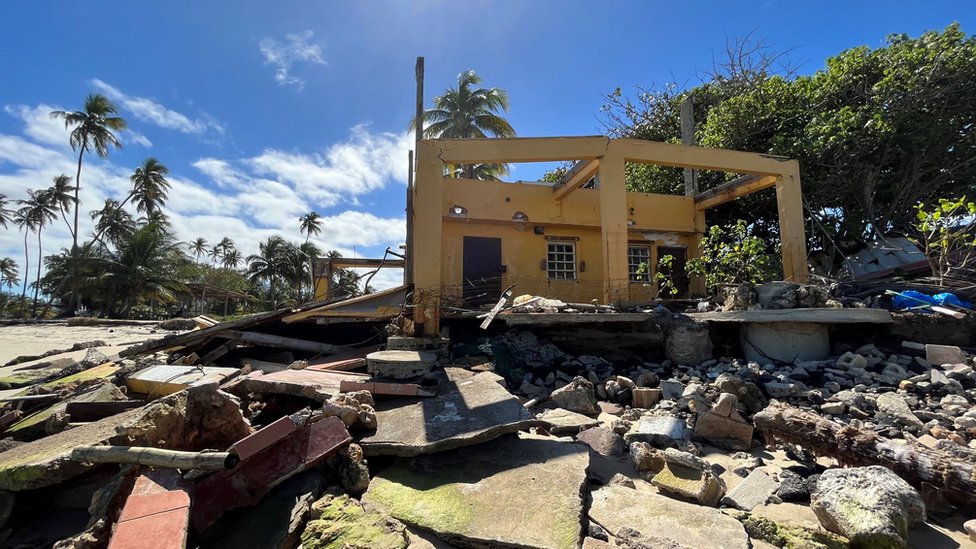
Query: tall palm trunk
[37, 282]
[23, 285]
[73, 271]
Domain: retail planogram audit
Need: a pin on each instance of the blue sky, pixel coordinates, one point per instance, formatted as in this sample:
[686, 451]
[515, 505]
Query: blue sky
[266, 110]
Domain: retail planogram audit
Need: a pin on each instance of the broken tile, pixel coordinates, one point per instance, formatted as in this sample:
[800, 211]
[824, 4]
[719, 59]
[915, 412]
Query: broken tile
[468, 409]
[466, 496]
[157, 509]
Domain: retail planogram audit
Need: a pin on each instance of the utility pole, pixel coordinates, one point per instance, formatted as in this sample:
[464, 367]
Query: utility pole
[418, 135]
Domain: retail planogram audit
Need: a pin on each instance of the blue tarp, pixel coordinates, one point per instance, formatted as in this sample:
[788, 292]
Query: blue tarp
[910, 299]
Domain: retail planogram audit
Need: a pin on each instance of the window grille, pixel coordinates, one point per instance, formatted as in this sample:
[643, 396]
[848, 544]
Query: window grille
[561, 261]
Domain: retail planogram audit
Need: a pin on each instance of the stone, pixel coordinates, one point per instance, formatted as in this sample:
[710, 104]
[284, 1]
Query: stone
[832, 408]
[777, 295]
[644, 397]
[871, 506]
[658, 430]
[351, 469]
[465, 497]
[619, 479]
[646, 458]
[563, 422]
[943, 354]
[688, 476]
[672, 389]
[617, 509]
[178, 324]
[603, 441]
[195, 419]
[724, 426]
[752, 492]
[340, 521]
[400, 364]
[776, 389]
[955, 405]
[895, 407]
[468, 409]
[688, 344]
[970, 527]
[93, 357]
[576, 396]
[793, 487]
[740, 298]
[851, 360]
[353, 408]
[276, 522]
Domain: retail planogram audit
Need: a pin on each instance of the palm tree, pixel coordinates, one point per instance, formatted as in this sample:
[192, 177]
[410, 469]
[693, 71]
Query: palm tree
[232, 258]
[112, 222]
[309, 224]
[269, 264]
[303, 259]
[6, 214]
[467, 112]
[8, 271]
[26, 222]
[92, 130]
[40, 209]
[61, 193]
[198, 247]
[149, 186]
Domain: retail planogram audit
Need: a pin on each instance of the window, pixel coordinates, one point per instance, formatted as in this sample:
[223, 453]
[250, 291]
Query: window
[636, 256]
[561, 262]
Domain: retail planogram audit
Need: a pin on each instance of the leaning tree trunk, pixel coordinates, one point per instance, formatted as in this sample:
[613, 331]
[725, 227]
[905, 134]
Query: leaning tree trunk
[949, 469]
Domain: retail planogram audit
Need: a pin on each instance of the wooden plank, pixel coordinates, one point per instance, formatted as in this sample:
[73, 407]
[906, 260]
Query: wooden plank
[582, 172]
[736, 188]
[817, 316]
[269, 340]
[165, 380]
[344, 362]
[498, 307]
[155, 457]
[392, 389]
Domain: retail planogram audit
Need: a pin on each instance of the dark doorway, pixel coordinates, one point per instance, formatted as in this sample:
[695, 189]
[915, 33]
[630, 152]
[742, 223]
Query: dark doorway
[676, 274]
[482, 264]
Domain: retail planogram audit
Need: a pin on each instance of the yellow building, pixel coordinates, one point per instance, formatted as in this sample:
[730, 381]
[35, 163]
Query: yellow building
[569, 240]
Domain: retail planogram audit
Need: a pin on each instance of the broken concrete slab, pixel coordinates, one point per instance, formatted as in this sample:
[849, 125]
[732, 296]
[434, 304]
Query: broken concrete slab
[252, 478]
[617, 508]
[724, 426]
[468, 409]
[311, 384]
[465, 496]
[661, 430]
[165, 380]
[700, 485]
[340, 521]
[943, 354]
[603, 441]
[23, 375]
[752, 492]
[560, 421]
[196, 419]
[400, 364]
[32, 426]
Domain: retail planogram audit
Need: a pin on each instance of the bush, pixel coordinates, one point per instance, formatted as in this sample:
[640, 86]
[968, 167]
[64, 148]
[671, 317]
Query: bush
[732, 256]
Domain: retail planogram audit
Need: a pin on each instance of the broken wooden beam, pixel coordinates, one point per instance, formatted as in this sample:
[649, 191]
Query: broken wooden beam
[919, 465]
[94, 411]
[156, 457]
[269, 340]
[393, 389]
[498, 307]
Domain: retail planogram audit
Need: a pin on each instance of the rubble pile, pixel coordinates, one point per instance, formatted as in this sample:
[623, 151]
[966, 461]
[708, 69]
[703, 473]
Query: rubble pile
[249, 434]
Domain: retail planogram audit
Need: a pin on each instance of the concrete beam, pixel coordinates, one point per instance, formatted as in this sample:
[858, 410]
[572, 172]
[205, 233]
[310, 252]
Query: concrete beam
[575, 178]
[702, 158]
[738, 187]
[519, 149]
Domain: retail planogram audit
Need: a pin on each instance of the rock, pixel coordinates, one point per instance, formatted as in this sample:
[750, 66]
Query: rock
[659, 430]
[833, 408]
[752, 492]
[871, 506]
[724, 426]
[351, 469]
[794, 488]
[777, 389]
[740, 298]
[340, 521]
[178, 324]
[563, 422]
[400, 364]
[955, 405]
[619, 479]
[353, 408]
[690, 477]
[576, 396]
[672, 389]
[646, 457]
[532, 390]
[468, 409]
[744, 463]
[777, 295]
[603, 441]
[688, 344]
[788, 535]
[93, 357]
[276, 522]
[618, 509]
[970, 527]
[894, 406]
[943, 354]
[465, 496]
[851, 360]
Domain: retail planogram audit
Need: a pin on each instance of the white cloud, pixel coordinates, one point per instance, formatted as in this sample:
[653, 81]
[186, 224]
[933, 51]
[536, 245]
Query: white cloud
[137, 138]
[150, 111]
[296, 48]
[39, 125]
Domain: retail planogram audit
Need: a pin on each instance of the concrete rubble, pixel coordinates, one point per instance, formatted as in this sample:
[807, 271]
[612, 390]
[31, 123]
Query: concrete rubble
[536, 437]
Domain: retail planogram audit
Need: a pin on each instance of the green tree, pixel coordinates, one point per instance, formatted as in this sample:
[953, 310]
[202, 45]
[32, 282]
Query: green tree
[232, 259]
[149, 186]
[465, 112]
[732, 256]
[112, 222]
[40, 209]
[270, 265]
[6, 214]
[8, 272]
[310, 224]
[62, 195]
[27, 222]
[198, 247]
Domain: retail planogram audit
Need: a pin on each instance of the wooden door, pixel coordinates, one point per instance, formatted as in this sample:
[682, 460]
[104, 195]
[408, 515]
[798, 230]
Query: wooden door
[676, 273]
[482, 270]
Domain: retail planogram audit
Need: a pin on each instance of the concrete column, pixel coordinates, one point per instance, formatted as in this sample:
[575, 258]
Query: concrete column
[789, 201]
[613, 223]
[428, 217]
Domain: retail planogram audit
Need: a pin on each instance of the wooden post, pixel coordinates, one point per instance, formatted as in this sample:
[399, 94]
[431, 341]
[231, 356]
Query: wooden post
[789, 201]
[155, 457]
[613, 224]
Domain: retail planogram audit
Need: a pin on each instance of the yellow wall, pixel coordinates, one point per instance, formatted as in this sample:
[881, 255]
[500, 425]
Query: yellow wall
[490, 206]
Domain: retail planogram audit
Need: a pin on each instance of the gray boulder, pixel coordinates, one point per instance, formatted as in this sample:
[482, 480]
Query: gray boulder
[576, 396]
[871, 506]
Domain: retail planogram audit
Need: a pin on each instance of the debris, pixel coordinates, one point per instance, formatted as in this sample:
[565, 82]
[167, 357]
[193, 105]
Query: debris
[354, 409]
[498, 307]
[559, 421]
[576, 396]
[340, 521]
[753, 491]
[155, 457]
[468, 409]
[646, 458]
[617, 508]
[895, 407]
[400, 364]
[943, 354]
[311, 384]
[344, 362]
[871, 506]
[157, 509]
[81, 411]
[661, 431]
[644, 397]
[391, 389]
[688, 476]
[245, 485]
[724, 426]
[165, 380]
[603, 441]
[464, 496]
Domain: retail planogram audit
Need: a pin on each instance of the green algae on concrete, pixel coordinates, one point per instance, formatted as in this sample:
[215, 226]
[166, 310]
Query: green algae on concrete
[32, 426]
[517, 491]
[340, 522]
[787, 536]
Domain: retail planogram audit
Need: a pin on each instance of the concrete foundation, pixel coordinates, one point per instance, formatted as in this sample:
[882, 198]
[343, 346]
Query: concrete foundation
[784, 341]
